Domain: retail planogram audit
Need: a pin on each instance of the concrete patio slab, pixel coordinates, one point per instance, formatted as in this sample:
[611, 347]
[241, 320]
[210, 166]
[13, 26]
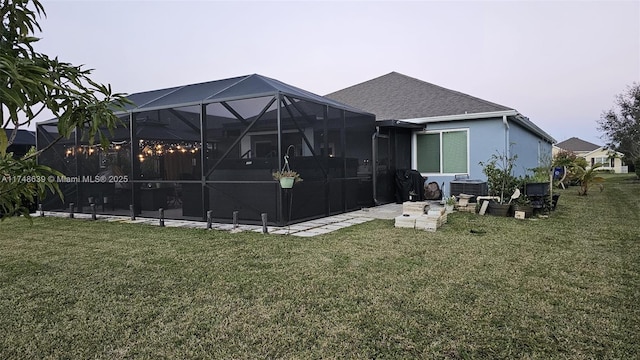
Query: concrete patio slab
[304, 229]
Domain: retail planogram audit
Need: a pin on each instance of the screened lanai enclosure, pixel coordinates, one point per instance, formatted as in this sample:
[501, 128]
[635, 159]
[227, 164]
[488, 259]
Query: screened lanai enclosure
[214, 146]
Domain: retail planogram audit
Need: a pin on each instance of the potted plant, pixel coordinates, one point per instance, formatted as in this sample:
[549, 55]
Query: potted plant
[449, 203]
[500, 181]
[522, 203]
[287, 178]
[539, 183]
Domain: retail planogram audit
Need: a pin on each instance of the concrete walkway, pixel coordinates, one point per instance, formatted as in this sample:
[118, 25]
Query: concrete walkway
[303, 229]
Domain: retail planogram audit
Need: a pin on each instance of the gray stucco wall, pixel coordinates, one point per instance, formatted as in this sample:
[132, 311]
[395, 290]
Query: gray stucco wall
[532, 151]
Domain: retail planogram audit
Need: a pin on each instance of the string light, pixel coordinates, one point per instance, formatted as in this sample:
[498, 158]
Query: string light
[150, 148]
[147, 148]
[90, 150]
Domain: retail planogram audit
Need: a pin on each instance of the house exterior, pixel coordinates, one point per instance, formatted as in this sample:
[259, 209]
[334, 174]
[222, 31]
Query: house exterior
[594, 154]
[209, 149]
[443, 133]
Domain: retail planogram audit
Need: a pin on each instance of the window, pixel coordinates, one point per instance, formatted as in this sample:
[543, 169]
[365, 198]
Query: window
[442, 152]
[602, 160]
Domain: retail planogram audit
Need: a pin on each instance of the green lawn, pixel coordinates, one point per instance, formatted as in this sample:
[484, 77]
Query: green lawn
[563, 287]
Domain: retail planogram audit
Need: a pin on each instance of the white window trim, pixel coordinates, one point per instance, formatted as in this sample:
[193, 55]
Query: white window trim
[414, 150]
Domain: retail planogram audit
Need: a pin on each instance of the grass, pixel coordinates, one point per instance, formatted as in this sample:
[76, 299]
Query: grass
[563, 287]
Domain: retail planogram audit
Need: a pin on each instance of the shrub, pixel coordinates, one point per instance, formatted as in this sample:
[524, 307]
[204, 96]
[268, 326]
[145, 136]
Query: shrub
[499, 172]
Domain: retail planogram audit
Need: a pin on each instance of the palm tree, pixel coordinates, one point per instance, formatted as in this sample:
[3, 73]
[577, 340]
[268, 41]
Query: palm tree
[587, 176]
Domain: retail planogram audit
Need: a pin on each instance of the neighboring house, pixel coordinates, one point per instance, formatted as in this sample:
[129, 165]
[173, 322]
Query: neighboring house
[446, 133]
[23, 141]
[594, 154]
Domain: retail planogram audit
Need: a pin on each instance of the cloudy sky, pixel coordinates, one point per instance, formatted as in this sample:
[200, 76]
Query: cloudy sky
[559, 63]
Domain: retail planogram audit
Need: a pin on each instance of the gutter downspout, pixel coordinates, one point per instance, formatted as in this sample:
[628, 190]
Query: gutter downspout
[506, 136]
[374, 161]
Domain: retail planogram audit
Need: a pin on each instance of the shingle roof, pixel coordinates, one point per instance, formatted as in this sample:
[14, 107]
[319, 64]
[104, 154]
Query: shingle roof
[395, 96]
[576, 144]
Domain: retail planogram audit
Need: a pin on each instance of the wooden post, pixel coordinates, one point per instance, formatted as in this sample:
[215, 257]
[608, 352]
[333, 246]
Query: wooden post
[265, 230]
[71, 209]
[161, 211]
[209, 219]
[93, 211]
[132, 213]
[235, 219]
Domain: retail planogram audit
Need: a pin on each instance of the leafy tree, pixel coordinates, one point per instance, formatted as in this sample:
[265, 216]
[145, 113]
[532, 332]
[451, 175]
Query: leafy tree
[621, 124]
[571, 162]
[31, 82]
[568, 158]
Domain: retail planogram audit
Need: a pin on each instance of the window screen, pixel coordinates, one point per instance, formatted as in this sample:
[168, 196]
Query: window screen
[454, 152]
[442, 152]
[428, 147]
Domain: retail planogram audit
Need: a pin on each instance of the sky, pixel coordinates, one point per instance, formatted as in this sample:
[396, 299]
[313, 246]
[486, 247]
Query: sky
[560, 63]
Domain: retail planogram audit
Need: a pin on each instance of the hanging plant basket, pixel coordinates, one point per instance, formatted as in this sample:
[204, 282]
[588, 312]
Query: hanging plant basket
[286, 176]
[287, 182]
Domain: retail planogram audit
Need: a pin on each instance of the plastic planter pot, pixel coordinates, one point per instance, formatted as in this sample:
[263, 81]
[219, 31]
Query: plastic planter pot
[527, 209]
[496, 209]
[287, 182]
[538, 188]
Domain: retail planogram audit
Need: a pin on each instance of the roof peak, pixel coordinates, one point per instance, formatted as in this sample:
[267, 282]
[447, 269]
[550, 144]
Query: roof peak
[396, 96]
[455, 91]
[422, 83]
[576, 144]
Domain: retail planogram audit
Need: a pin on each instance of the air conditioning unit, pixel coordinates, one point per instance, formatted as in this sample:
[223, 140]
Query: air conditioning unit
[468, 186]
